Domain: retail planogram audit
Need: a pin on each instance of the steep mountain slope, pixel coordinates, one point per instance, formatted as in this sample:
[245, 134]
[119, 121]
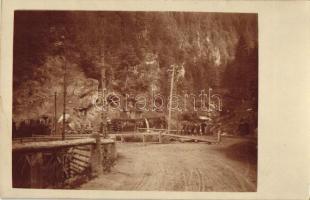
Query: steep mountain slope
[136, 49]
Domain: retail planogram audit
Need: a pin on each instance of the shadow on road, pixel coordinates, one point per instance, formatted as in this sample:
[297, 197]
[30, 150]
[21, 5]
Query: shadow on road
[244, 151]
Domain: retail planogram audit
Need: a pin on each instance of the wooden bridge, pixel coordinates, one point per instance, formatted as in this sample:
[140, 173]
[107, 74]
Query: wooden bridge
[48, 162]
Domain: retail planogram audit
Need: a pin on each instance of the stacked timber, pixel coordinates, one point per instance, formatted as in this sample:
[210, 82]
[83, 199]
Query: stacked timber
[80, 160]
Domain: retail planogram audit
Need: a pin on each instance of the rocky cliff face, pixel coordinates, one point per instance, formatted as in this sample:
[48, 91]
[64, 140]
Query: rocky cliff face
[33, 100]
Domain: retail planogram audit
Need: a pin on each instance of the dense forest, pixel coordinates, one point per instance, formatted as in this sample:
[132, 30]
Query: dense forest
[137, 51]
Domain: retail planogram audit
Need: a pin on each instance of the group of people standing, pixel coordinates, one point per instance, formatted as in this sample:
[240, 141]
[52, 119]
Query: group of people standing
[27, 128]
[195, 128]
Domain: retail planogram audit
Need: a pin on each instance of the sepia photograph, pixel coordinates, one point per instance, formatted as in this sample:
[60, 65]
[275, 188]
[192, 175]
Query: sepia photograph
[162, 99]
[135, 101]
[166, 99]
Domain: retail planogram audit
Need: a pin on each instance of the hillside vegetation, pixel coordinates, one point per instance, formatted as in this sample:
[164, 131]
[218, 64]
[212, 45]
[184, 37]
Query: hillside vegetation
[136, 49]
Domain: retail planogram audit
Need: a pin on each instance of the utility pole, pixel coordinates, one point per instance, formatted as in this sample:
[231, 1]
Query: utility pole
[65, 94]
[102, 96]
[170, 99]
[55, 115]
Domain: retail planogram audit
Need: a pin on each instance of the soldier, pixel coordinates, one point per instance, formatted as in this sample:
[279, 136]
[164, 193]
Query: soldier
[187, 128]
[192, 128]
[198, 128]
[183, 129]
[203, 127]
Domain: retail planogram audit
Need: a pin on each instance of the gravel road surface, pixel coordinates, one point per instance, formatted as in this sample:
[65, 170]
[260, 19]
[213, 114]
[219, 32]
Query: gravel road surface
[229, 166]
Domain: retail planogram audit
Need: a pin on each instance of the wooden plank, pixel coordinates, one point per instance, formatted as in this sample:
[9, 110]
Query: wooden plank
[81, 158]
[192, 138]
[82, 148]
[72, 172]
[152, 129]
[80, 163]
[67, 136]
[81, 152]
[158, 129]
[132, 134]
[77, 167]
[36, 146]
[106, 141]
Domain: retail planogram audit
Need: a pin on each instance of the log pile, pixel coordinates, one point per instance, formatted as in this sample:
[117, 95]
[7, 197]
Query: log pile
[80, 161]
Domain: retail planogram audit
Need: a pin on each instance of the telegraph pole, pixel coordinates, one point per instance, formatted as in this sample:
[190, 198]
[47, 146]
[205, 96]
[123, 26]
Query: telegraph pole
[170, 99]
[55, 115]
[102, 96]
[65, 90]
[65, 94]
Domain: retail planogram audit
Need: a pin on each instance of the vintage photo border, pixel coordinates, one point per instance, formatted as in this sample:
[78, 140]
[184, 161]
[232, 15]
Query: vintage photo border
[283, 158]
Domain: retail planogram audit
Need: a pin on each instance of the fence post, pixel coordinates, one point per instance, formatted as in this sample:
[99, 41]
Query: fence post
[122, 139]
[219, 136]
[36, 162]
[96, 157]
[143, 138]
[160, 139]
[113, 150]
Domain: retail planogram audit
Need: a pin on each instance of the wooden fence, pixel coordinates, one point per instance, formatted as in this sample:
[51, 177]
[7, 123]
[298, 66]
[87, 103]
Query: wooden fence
[144, 132]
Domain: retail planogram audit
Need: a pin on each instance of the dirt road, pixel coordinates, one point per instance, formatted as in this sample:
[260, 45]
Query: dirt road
[229, 166]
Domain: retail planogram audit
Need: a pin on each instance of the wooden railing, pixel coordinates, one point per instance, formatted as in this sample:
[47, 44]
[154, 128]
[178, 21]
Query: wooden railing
[144, 132]
[59, 164]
